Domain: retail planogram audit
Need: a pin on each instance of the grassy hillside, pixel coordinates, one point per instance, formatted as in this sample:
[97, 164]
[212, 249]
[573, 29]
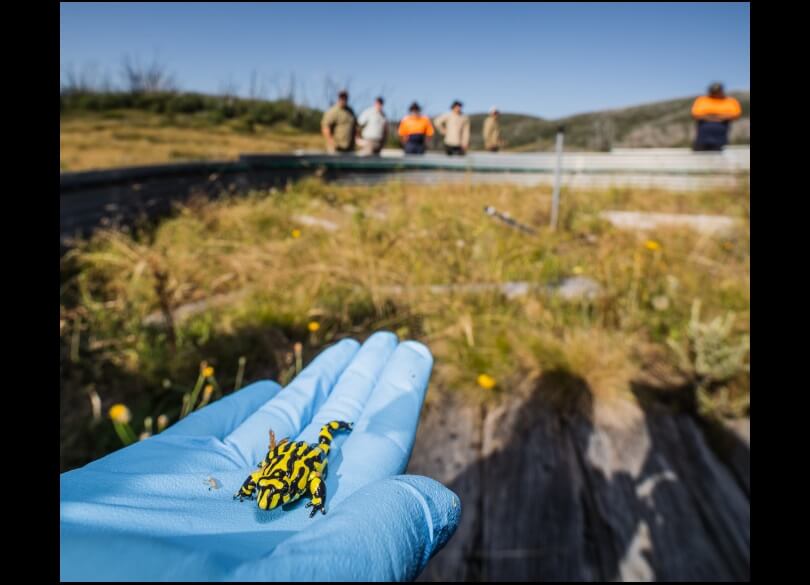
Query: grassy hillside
[660, 124]
[115, 138]
[108, 129]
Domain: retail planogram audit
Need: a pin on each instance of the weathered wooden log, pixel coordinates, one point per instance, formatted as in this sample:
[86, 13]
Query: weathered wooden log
[557, 490]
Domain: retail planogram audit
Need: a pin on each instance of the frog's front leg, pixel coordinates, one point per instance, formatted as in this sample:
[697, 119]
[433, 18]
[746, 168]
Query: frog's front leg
[316, 489]
[248, 488]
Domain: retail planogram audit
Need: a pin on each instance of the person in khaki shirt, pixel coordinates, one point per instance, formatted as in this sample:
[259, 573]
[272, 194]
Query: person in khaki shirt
[455, 127]
[492, 131]
[339, 124]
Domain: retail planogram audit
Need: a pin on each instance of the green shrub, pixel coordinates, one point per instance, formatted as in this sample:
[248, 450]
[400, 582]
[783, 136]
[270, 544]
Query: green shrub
[185, 104]
[712, 358]
[218, 108]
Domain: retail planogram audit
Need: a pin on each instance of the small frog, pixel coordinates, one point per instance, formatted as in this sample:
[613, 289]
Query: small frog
[291, 470]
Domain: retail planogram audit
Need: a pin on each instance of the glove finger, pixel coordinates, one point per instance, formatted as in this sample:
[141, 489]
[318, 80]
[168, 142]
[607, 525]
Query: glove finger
[220, 418]
[355, 385]
[381, 442]
[293, 407]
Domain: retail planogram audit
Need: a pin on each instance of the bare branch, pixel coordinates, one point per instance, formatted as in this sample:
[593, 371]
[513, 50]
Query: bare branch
[253, 90]
[228, 88]
[140, 78]
[80, 81]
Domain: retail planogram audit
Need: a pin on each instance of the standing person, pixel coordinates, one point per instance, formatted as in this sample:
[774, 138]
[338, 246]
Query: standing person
[455, 127]
[374, 128]
[714, 113]
[338, 125]
[414, 129]
[492, 130]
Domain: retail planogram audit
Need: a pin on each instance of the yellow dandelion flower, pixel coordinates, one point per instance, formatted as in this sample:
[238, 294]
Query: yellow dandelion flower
[486, 381]
[652, 245]
[120, 413]
[577, 270]
[207, 372]
[313, 326]
[296, 233]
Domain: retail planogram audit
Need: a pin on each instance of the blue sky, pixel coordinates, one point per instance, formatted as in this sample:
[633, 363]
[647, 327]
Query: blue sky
[546, 59]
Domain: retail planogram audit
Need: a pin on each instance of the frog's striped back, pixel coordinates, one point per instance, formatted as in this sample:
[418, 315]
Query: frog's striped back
[293, 469]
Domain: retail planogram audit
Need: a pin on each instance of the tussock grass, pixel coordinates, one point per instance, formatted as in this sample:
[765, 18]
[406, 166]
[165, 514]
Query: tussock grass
[373, 272]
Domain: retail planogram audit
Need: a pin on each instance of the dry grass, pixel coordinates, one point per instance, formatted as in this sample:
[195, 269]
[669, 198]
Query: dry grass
[373, 272]
[115, 139]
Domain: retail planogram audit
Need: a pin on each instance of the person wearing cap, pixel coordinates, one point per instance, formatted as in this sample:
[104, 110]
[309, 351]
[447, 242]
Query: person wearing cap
[414, 129]
[338, 125]
[492, 131]
[374, 129]
[714, 113]
[455, 127]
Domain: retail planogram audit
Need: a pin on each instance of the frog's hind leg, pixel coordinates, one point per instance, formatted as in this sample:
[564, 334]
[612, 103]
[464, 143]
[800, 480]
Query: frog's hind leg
[325, 436]
[316, 490]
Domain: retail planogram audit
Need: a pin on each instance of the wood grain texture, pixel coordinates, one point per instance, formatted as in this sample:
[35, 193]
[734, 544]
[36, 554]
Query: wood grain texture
[572, 493]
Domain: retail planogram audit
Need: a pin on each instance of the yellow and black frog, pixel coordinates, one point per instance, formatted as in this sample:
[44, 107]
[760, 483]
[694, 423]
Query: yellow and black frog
[291, 470]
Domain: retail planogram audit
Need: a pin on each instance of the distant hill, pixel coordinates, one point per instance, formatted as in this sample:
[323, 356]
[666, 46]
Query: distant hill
[659, 124]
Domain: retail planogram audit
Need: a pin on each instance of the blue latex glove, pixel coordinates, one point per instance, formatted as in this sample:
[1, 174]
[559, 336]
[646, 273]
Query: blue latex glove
[146, 512]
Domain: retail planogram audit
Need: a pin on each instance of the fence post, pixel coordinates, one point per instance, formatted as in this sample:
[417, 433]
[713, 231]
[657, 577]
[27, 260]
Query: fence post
[555, 199]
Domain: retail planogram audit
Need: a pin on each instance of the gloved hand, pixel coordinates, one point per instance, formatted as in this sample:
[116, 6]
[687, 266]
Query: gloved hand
[146, 511]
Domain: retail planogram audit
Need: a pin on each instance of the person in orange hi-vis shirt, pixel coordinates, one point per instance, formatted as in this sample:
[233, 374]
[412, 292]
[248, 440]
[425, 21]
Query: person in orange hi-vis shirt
[714, 113]
[414, 129]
